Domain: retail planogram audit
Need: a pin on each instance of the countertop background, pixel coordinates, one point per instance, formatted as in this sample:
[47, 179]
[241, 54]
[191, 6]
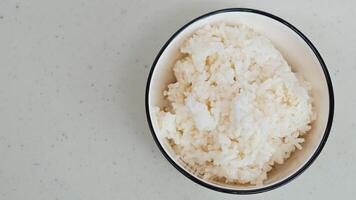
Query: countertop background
[72, 81]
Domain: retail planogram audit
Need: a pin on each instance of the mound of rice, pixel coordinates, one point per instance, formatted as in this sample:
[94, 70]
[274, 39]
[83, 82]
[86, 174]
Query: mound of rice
[236, 107]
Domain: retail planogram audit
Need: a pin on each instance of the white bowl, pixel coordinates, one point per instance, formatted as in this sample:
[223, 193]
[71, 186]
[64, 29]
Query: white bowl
[300, 54]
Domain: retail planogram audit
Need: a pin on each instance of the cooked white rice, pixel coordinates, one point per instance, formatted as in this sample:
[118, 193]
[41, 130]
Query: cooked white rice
[236, 107]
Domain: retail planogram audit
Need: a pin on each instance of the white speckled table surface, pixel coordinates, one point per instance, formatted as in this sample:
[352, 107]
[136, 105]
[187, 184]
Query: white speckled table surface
[72, 81]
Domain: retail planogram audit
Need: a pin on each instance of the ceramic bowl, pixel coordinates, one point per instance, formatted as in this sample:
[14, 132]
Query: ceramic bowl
[299, 52]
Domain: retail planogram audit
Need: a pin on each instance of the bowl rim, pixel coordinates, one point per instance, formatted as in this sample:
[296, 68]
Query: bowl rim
[290, 177]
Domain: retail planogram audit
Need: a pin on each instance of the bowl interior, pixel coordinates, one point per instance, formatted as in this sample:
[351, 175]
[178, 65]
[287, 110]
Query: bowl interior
[299, 56]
